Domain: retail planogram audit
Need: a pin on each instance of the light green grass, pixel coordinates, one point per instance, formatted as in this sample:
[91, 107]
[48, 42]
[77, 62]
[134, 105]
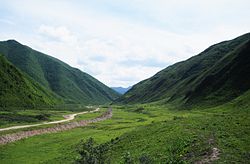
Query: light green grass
[189, 137]
[57, 143]
[26, 117]
[61, 146]
[54, 115]
[162, 134]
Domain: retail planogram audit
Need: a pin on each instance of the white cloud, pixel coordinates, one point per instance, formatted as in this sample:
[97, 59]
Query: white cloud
[123, 42]
[59, 33]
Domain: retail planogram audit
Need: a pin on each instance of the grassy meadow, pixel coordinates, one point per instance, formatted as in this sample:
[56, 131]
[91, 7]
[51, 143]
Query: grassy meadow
[21, 116]
[157, 133]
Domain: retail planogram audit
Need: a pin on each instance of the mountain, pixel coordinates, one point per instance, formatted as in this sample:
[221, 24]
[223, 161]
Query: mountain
[121, 90]
[18, 90]
[216, 75]
[71, 84]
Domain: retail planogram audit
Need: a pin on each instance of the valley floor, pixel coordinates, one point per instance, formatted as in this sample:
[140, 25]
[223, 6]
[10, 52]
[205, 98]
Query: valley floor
[67, 118]
[151, 133]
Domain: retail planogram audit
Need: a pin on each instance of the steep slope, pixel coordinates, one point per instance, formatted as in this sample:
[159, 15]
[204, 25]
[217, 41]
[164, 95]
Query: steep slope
[70, 83]
[17, 90]
[218, 74]
[227, 79]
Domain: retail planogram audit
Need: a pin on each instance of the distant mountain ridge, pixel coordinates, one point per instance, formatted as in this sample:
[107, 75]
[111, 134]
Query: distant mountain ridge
[216, 75]
[121, 90]
[70, 84]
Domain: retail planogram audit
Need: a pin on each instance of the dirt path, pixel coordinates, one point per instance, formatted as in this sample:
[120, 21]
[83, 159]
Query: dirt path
[67, 118]
[8, 138]
[210, 158]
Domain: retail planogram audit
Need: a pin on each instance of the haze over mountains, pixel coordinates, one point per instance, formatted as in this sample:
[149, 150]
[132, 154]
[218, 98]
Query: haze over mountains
[121, 90]
[216, 75]
[54, 77]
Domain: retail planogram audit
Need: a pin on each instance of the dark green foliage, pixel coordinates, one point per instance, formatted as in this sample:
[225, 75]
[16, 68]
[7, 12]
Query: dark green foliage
[139, 110]
[91, 154]
[72, 85]
[17, 89]
[178, 118]
[42, 117]
[13, 118]
[217, 75]
[145, 159]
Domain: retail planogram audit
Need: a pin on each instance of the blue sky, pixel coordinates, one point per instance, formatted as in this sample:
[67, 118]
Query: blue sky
[121, 42]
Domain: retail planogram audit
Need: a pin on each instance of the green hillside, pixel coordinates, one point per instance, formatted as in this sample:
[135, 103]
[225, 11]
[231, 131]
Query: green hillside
[216, 75]
[17, 90]
[189, 138]
[73, 85]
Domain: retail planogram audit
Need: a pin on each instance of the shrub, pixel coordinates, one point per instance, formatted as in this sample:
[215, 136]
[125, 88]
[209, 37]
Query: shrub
[145, 159]
[178, 117]
[139, 110]
[43, 117]
[91, 154]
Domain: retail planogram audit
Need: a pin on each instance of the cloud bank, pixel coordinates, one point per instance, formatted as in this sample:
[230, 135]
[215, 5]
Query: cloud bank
[122, 42]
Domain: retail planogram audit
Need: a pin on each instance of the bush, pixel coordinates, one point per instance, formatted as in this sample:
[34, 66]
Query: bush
[145, 159]
[139, 110]
[91, 154]
[178, 118]
[43, 117]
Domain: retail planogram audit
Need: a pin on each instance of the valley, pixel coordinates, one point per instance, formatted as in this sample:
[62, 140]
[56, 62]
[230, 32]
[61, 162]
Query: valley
[67, 118]
[195, 111]
[158, 132]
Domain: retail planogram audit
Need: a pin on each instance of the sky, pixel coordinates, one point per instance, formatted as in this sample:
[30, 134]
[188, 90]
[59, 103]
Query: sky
[121, 42]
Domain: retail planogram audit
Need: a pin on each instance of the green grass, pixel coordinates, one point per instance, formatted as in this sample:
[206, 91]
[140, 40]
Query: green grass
[17, 89]
[61, 146]
[26, 117]
[89, 116]
[160, 133]
[19, 116]
[23, 116]
[188, 138]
